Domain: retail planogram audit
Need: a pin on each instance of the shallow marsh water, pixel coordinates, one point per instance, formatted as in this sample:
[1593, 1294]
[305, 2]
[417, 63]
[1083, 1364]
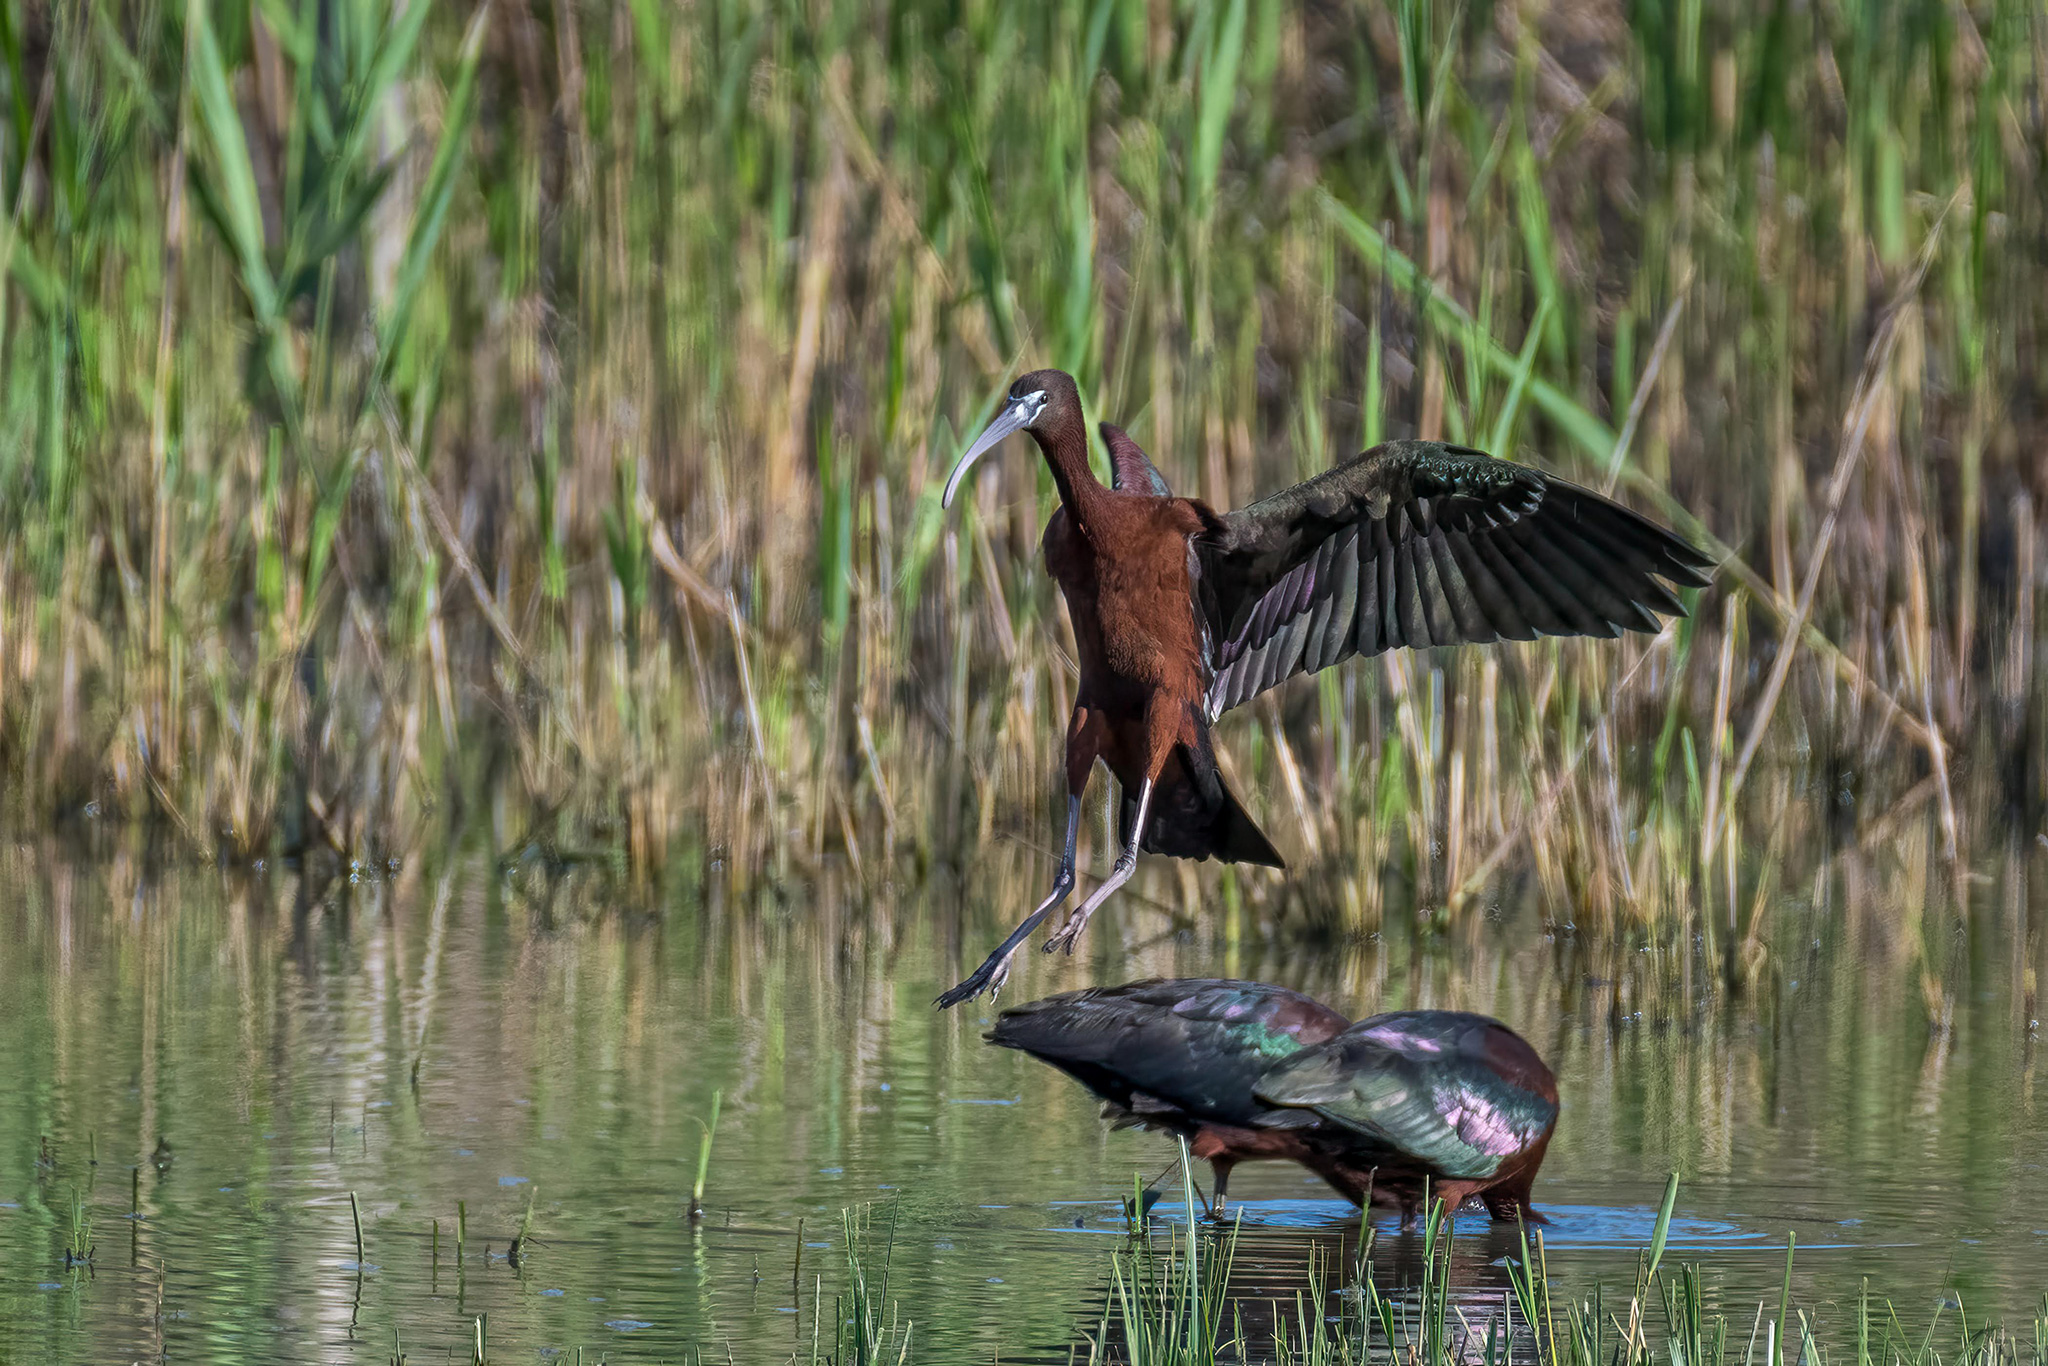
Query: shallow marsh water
[267, 1031]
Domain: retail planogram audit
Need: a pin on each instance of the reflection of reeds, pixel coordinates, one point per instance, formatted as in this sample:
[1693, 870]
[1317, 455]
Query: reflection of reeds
[173, 974]
[538, 424]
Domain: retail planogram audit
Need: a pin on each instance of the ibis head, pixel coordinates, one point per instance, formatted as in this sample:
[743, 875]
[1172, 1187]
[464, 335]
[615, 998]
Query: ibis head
[1045, 403]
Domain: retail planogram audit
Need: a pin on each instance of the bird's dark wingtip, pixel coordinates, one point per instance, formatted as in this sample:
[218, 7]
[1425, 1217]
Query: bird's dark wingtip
[1010, 1026]
[1685, 564]
[1692, 575]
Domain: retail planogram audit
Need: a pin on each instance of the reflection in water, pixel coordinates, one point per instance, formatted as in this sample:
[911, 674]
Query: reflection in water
[429, 1042]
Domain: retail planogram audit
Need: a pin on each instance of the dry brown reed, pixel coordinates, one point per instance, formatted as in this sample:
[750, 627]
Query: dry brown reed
[526, 421]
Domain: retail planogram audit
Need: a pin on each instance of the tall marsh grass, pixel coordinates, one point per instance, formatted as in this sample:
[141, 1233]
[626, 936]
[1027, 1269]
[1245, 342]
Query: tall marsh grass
[1170, 1302]
[421, 419]
[1668, 1321]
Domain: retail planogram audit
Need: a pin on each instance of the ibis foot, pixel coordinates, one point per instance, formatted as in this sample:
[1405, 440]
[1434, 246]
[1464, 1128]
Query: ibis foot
[1126, 864]
[995, 969]
[1064, 937]
[989, 977]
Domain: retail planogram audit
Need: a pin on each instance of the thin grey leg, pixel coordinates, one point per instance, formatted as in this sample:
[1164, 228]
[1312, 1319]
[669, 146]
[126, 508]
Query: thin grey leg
[1126, 864]
[995, 969]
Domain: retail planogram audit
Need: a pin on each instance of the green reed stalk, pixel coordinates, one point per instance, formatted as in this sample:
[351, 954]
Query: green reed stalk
[704, 1157]
[1784, 1296]
[1263, 284]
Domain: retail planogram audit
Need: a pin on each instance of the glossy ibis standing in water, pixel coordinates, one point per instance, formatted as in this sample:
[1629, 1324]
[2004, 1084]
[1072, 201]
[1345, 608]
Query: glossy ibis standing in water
[1453, 1104]
[1181, 613]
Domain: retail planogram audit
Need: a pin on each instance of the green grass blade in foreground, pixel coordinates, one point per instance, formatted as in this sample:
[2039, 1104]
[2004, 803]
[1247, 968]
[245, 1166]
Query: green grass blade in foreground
[1218, 97]
[704, 1154]
[1663, 1229]
[1511, 407]
[1169, 1311]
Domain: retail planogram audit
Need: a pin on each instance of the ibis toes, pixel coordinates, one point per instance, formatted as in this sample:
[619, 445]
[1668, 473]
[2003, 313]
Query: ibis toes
[953, 996]
[989, 977]
[1064, 937]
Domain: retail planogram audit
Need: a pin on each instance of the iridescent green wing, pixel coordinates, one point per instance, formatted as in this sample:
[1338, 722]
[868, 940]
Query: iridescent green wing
[1458, 1093]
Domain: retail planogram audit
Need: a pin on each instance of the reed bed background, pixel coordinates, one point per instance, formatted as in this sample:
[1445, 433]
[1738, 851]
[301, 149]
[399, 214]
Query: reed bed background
[422, 420]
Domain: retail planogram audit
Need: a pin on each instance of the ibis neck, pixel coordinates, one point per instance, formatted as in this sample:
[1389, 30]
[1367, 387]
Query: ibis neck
[1066, 453]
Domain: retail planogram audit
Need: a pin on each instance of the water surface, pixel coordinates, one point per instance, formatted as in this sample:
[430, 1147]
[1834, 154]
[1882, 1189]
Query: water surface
[267, 1029]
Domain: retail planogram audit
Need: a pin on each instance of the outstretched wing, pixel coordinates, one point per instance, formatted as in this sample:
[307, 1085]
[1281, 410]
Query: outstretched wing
[1457, 1093]
[1418, 543]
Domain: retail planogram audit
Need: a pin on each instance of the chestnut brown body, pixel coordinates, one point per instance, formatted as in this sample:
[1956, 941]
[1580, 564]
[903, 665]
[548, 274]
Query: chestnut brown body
[1181, 613]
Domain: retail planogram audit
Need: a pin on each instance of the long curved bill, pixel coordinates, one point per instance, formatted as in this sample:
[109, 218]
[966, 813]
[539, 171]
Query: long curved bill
[1018, 415]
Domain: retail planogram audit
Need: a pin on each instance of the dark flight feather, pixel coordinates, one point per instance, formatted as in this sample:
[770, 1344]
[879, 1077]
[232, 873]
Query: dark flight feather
[1184, 1051]
[1417, 544]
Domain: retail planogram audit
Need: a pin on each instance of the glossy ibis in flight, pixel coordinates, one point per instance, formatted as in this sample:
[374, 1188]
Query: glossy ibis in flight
[1181, 613]
[1246, 1071]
